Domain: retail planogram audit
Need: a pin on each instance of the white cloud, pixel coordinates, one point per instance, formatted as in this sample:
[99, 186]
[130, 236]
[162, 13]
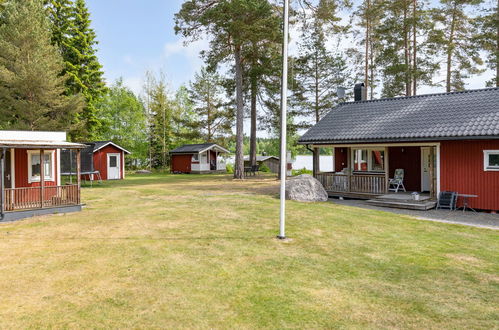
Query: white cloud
[134, 83]
[128, 59]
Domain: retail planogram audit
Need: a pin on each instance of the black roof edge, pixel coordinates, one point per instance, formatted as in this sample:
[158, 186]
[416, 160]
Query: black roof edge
[396, 140]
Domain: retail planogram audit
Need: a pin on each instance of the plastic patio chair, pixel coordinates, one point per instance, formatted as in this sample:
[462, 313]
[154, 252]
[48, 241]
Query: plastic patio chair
[397, 183]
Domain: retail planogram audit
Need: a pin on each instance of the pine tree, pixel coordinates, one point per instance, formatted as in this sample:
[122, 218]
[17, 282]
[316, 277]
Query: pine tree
[229, 24]
[31, 84]
[488, 38]
[160, 109]
[455, 35]
[319, 71]
[213, 118]
[73, 34]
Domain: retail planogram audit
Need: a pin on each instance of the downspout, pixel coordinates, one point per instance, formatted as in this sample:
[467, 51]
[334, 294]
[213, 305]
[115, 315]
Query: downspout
[313, 161]
[2, 185]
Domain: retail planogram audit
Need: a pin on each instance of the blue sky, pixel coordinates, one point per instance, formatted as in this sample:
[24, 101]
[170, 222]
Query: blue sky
[137, 35]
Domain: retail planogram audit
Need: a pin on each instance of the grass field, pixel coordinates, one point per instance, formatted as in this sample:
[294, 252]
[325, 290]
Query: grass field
[183, 251]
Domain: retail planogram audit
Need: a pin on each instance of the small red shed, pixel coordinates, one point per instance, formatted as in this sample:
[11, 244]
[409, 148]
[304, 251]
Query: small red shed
[198, 158]
[109, 160]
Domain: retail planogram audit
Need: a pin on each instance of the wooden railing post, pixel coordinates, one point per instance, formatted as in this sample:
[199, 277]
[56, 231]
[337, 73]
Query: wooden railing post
[42, 176]
[78, 174]
[349, 169]
[387, 170]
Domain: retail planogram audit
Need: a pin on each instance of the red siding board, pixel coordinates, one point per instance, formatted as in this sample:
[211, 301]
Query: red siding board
[181, 163]
[100, 160]
[461, 167]
[21, 170]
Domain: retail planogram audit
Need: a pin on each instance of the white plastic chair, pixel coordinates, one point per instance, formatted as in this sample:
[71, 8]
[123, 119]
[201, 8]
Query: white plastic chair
[397, 183]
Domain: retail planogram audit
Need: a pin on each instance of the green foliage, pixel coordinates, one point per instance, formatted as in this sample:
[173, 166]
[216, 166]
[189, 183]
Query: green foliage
[213, 119]
[161, 126]
[230, 168]
[264, 168]
[302, 171]
[76, 40]
[124, 121]
[488, 39]
[32, 89]
[454, 36]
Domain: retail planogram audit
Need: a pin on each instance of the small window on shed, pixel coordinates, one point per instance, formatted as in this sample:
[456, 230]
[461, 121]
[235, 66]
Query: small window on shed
[195, 157]
[491, 160]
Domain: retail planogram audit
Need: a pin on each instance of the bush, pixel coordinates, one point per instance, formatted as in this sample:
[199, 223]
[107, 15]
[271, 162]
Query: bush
[230, 168]
[264, 168]
[302, 171]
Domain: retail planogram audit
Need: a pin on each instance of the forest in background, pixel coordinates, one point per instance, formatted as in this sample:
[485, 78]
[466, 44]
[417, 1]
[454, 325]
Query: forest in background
[51, 78]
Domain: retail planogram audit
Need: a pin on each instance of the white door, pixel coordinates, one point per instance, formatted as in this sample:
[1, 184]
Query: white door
[113, 166]
[425, 169]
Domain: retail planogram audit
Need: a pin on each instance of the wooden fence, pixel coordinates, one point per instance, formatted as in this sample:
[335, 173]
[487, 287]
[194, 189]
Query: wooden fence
[31, 197]
[358, 183]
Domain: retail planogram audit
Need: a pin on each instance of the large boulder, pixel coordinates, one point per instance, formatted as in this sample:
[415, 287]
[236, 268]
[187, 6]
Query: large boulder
[305, 188]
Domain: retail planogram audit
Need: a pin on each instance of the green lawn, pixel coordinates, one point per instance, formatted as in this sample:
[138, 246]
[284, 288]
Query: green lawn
[181, 251]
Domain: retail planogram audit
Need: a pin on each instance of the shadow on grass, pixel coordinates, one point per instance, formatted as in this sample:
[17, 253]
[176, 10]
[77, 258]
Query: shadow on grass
[214, 183]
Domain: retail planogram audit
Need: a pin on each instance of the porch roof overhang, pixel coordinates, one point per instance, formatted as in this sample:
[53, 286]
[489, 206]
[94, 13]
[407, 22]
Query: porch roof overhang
[19, 144]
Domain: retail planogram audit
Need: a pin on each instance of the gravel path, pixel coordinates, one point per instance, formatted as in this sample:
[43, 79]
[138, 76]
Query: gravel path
[468, 218]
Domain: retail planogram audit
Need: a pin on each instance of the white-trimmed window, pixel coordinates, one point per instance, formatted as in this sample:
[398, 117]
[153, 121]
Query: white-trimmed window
[368, 160]
[195, 158]
[491, 160]
[34, 166]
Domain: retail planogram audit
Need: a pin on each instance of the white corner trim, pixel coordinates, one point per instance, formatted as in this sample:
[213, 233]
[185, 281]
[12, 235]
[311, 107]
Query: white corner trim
[486, 154]
[438, 169]
[58, 168]
[37, 152]
[13, 167]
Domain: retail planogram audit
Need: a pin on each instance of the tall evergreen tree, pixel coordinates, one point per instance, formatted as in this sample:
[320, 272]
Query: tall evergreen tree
[160, 109]
[488, 38]
[214, 120]
[73, 34]
[229, 25]
[455, 35]
[31, 84]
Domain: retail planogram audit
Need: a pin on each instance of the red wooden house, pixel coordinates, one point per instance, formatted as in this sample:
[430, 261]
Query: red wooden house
[198, 158]
[109, 159]
[30, 178]
[443, 142]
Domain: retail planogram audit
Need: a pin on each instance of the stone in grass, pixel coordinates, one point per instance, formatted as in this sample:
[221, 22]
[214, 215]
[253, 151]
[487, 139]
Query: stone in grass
[143, 172]
[305, 188]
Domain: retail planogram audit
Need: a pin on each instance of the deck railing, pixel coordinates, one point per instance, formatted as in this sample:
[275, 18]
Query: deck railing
[31, 197]
[356, 183]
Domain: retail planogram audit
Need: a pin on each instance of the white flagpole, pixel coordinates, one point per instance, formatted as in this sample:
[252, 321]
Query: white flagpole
[284, 103]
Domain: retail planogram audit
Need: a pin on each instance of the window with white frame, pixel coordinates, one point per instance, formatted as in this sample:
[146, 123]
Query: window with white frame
[368, 160]
[34, 166]
[491, 160]
[195, 157]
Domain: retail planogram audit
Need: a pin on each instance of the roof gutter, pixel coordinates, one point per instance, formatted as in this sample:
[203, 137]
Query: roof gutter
[399, 140]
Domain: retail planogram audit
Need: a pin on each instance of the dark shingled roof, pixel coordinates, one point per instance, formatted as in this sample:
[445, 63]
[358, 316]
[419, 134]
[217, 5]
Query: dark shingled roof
[97, 145]
[457, 115]
[193, 148]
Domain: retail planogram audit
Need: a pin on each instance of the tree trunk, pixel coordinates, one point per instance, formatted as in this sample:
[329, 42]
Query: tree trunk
[450, 49]
[414, 49]
[497, 46]
[407, 55]
[252, 154]
[239, 161]
[366, 69]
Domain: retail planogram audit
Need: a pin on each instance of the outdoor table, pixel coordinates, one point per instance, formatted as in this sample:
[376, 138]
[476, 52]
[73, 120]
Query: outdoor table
[465, 201]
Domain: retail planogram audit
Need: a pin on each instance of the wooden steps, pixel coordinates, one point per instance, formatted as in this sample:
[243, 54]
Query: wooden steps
[384, 201]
